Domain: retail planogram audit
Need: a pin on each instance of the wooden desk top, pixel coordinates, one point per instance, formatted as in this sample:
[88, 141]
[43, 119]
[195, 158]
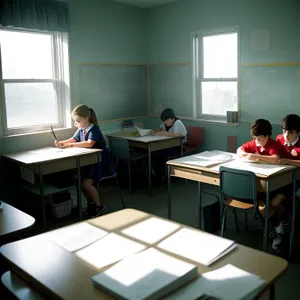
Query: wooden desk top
[13, 220]
[215, 168]
[143, 139]
[59, 273]
[48, 154]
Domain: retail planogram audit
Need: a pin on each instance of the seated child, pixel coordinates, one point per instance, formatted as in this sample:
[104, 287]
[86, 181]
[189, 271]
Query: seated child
[263, 148]
[170, 126]
[289, 140]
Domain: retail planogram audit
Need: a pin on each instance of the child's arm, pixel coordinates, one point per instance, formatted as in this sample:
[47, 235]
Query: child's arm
[285, 161]
[166, 133]
[60, 143]
[241, 152]
[265, 158]
[157, 130]
[84, 144]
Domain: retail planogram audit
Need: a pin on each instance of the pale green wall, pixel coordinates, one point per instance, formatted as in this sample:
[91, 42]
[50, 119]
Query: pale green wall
[100, 31]
[169, 40]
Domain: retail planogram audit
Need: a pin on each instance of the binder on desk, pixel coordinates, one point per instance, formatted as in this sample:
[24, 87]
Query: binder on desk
[150, 274]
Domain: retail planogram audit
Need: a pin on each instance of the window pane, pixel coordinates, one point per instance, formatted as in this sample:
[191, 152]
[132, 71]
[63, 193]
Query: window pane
[220, 56]
[29, 104]
[219, 97]
[26, 55]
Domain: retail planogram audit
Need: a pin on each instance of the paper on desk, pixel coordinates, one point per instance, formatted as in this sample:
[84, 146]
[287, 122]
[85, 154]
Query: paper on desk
[77, 236]
[151, 230]
[108, 250]
[198, 246]
[258, 168]
[226, 283]
[143, 132]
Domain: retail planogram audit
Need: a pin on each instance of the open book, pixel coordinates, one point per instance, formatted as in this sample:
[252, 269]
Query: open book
[150, 274]
[143, 132]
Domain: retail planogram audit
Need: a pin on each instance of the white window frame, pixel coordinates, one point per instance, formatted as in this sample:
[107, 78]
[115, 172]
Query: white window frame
[198, 71]
[61, 82]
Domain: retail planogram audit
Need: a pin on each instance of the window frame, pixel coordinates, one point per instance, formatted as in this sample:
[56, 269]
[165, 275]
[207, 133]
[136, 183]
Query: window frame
[61, 84]
[198, 71]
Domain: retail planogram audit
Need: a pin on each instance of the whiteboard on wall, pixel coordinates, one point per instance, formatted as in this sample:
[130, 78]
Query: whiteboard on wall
[269, 92]
[171, 87]
[114, 91]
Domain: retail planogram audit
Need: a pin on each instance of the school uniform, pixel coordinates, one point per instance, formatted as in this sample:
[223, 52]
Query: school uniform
[271, 148]
[104, 168]
[286, 153]
[288, 147]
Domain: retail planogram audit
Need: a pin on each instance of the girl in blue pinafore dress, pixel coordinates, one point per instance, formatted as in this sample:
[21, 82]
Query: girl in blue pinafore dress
[89, 135]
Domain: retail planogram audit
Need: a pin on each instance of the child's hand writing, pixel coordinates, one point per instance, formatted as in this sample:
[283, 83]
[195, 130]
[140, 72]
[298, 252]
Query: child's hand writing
[58, 144]
[282, 161]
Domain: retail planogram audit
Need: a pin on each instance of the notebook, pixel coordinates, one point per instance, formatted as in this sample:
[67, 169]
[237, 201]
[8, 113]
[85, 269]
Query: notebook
[143, 132]
[150, 274]
[198, 246]
[226, 283]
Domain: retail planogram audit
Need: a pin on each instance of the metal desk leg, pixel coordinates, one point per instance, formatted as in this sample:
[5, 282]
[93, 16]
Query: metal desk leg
[149, 168]
[265, 241]
[169, 194]
[292, 235]
[79, 188]
[181, 147]
[199, 195]
[272, 292]
[42, 198]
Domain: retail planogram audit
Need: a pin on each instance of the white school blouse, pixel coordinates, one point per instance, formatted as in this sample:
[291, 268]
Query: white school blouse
[177, 128]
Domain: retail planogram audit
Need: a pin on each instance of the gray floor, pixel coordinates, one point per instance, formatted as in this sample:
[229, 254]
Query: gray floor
[184, 202]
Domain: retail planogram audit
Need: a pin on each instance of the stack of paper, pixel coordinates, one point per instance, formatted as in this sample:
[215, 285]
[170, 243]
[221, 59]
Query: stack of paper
[226, 283]
[198, 246]
[143, 132]
[207, 158]
[150, 274]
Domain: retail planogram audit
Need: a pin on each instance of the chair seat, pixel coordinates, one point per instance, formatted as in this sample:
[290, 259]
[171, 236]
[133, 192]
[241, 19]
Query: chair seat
[244, 205]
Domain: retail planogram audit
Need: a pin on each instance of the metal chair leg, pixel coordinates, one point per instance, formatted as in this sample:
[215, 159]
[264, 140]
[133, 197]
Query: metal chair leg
[119, 191]
[246, 220]
[129, 176]
[236, 220]
[223, 220]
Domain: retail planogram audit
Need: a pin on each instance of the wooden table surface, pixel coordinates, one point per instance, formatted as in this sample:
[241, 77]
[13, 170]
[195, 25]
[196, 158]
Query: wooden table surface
[13, 220]
[58, 273]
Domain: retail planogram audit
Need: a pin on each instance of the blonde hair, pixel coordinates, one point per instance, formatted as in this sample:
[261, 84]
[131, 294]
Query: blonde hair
[84, 111]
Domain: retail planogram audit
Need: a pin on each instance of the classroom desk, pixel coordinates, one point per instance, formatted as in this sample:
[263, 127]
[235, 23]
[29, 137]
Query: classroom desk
[51, 160]
[151, 143]
[59, 274]
[13, 220]
[265, 184]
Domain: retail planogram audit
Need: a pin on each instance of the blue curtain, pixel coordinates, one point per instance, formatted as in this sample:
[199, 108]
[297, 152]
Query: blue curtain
[47, 15]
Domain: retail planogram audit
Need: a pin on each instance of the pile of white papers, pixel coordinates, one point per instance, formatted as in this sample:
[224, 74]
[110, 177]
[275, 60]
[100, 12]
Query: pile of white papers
[150, 274]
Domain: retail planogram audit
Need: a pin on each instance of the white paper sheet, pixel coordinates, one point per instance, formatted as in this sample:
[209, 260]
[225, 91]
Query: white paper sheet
[108, 250]
[75, 237]
[143, 132]
[151, 230]
[197, 245]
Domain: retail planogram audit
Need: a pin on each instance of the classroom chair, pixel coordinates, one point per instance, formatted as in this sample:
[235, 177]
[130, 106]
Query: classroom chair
[239, 193]
[121, 151]
[194, 139]
[102, 191]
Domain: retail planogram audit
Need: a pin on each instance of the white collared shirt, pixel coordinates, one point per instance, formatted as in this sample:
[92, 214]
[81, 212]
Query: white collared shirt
[261, 148]
[291, 144]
